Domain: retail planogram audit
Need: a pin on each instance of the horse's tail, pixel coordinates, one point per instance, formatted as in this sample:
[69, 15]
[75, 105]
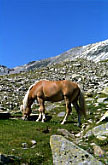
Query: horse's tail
[82, 104]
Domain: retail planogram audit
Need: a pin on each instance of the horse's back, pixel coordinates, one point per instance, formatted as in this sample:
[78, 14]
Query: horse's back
[69, 87]
[60, 88]
[52, 89]
[55, 89]
[46, 89]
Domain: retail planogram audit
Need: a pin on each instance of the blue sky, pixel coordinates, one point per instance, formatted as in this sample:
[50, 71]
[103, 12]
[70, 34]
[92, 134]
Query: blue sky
[37, 29]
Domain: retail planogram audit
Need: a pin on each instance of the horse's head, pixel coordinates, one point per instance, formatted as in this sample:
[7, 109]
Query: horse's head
[25, 112]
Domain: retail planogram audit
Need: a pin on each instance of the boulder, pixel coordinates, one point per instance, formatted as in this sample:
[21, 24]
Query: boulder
[9, 159]
[4, 115]
[101, 130]
[67, 153]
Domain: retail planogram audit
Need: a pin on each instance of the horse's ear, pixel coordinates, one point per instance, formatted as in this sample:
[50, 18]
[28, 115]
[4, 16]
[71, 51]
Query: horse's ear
[21, 108]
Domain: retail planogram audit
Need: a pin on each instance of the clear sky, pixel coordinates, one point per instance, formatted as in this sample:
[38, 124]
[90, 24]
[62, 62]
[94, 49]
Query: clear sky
[31, 30]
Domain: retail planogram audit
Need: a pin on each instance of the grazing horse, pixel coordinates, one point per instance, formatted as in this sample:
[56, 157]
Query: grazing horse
[54, 91]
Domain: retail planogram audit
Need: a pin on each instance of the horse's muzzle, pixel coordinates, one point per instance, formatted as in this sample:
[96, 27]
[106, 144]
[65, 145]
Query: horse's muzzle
[25, 117]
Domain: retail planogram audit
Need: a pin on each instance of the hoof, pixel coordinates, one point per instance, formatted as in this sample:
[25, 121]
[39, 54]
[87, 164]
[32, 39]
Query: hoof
[25, 119]
[79, 125]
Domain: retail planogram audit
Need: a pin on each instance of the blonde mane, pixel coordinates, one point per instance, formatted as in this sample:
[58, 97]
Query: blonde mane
[25, 100]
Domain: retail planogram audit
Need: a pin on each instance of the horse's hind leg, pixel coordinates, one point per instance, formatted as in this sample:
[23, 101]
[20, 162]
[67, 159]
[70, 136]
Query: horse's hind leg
[41, 110]
[78, 112]
[68, 109]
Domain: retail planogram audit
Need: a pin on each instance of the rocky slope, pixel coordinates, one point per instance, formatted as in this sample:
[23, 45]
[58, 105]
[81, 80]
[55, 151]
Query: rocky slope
[91, 75]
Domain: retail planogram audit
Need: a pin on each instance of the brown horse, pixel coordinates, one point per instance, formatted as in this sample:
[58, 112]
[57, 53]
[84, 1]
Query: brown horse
[54, 91]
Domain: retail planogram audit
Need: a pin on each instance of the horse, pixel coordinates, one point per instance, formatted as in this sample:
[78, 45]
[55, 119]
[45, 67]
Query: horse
[54, 91]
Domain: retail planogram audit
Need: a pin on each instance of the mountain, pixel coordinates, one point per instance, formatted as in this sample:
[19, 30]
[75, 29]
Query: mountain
[4, 70]
[96, 52]
[92, 137]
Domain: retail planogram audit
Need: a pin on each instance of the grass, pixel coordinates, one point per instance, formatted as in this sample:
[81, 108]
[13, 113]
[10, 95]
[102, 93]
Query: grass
[15, 132]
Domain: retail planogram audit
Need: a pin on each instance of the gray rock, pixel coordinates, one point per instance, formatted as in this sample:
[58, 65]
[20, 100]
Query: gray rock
[100, 130]
[89, 133]
[67, 153]
[105, 91]
[90, 93]
[66, 133]
[24, 145]
[9, 159]
[61, 114]
[97, 150]
[102, 138]
[101, 100]
[104, 117]
[50, 107]
[4, 159]
[33, 143]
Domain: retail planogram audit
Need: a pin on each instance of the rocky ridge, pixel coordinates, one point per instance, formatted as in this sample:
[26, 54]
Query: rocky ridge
[95, 52]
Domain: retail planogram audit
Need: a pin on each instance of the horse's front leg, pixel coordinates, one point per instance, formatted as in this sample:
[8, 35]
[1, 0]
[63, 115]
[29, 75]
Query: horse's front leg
[41, 110]
[40, 116]
[43, 117]
[68, 109]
